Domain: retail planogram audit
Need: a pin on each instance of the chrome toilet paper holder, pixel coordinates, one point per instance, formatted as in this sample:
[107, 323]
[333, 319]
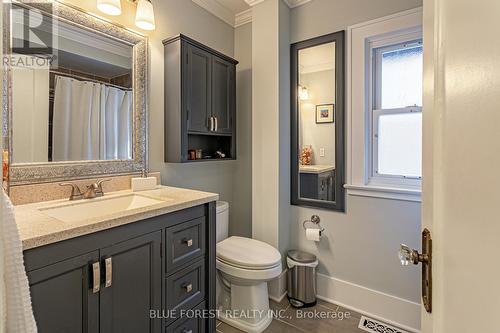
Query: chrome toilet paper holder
[316, 221]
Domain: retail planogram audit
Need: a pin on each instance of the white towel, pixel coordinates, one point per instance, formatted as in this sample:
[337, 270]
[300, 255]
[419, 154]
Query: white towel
[17, 314]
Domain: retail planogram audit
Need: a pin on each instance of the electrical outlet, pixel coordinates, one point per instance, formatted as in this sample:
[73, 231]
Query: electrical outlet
[322, 152]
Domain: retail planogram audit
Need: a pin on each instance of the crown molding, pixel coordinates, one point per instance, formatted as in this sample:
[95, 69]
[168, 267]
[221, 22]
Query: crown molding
[218, 10]
[296, 3]
[290, 3]
[253, 2]
[243, 18]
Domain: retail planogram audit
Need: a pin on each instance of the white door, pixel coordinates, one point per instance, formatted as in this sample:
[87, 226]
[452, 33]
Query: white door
[461, 188]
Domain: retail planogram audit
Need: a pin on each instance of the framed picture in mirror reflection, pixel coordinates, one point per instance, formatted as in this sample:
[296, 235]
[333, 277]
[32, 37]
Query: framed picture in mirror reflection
[325, 113]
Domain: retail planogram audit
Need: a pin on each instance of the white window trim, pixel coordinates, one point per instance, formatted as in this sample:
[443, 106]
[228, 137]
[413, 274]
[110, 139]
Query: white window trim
[361, 38]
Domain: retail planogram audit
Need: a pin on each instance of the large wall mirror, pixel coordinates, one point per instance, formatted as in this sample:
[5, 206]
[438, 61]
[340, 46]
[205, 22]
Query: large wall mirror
[318, 122]
[79, 110]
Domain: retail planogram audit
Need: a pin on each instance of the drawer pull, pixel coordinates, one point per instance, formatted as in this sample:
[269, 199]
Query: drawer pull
[96, 277]
[109, 272]
[187, 331]
[188, 287]
[189, 242]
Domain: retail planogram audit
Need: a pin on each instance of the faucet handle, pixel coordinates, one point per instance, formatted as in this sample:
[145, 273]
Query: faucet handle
[99, 184]
[75, 191]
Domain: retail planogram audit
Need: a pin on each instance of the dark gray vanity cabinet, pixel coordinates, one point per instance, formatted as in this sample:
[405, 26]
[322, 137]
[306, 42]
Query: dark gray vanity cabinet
[61, 295]
[200, 101]
[318, 186]
[135, 285]
[126, 279]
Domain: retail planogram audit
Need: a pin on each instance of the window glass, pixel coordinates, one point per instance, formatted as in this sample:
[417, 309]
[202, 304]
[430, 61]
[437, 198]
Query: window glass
[400, 144]
[401, 76]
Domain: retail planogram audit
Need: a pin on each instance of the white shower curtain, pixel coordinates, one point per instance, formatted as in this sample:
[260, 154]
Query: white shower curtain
[116, 133]
[91, 121]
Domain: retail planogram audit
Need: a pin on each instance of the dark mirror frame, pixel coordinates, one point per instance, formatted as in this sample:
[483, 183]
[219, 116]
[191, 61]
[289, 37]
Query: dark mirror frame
[339, 203]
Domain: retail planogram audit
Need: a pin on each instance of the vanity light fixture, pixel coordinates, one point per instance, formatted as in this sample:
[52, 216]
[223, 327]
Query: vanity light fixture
[144, 15]
[110, 7]
[303, 93]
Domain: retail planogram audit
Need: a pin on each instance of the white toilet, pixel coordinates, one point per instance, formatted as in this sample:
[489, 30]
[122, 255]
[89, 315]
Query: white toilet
[244, 266]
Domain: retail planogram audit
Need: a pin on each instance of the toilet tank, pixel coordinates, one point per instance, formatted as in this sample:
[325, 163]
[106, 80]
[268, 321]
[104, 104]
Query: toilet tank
[222, 220]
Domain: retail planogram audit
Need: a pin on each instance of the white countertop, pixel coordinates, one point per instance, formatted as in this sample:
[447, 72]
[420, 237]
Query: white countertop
[315, 168]
[37, 228]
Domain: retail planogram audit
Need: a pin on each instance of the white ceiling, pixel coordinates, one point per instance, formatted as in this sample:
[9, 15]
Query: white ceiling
[317, 58]
[238, 12]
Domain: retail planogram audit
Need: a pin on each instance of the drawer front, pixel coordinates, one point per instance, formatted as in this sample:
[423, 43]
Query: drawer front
[186, 288]
[185, 242]
[193, 324]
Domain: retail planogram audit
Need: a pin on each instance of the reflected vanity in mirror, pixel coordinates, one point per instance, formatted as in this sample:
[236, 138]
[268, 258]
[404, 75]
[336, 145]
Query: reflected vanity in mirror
[317, 120]
[79, 110]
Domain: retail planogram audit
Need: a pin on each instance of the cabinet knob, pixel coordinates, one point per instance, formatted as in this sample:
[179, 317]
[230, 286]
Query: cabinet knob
[188, 287]
[187, 331]
[189, 242]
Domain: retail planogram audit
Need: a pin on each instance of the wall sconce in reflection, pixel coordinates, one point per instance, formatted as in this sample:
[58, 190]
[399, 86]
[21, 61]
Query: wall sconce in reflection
[144, 15]
[303, 93]
[110, 7]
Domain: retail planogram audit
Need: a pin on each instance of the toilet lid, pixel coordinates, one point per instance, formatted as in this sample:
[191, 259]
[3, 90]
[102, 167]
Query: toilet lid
[247, 252]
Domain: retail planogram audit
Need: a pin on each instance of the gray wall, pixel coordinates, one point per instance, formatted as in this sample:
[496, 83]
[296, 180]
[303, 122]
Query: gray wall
[320, 17]
[174, 17]
[360, 245]
[241, 210]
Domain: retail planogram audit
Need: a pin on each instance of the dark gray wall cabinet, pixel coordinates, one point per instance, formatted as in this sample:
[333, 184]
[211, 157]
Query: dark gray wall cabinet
[110, 281]
[200, 101]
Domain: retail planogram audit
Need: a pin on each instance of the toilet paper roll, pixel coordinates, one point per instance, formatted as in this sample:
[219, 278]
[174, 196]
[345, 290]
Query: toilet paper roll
[313, 234]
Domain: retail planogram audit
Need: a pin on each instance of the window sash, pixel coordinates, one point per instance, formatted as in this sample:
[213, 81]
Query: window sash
[377, 178]
[377, 52]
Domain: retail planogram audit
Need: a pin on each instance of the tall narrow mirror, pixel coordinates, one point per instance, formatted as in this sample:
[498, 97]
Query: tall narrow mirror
[317, 122]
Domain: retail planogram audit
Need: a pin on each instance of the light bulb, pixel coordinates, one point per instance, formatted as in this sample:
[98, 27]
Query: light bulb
[145, 16]
[110, 7]
[303, 93]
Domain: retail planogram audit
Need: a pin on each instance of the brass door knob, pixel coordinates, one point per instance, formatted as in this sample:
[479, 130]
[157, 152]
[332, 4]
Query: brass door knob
[407, 255]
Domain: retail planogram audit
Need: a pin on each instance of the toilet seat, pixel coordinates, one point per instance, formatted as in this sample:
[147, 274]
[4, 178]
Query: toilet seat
[247, 253]
[248, 258]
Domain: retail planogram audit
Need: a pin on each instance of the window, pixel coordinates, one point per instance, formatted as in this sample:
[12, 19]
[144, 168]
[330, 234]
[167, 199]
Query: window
[396, 113]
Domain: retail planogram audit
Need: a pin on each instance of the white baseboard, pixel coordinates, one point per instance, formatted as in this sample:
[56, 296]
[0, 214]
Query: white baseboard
[277, 287]
[372, 303]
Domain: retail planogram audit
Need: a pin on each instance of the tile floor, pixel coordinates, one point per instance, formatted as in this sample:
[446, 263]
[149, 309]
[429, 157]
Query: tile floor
[304, 321]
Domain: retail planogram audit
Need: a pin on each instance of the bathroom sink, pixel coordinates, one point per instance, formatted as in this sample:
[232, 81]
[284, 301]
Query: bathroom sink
[94, 208]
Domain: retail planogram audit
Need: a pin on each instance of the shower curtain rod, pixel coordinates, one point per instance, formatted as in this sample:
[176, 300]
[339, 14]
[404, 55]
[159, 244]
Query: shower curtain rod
[83, 78]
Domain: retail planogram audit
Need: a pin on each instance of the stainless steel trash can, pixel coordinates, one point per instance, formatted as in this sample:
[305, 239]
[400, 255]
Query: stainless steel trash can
[301, 278]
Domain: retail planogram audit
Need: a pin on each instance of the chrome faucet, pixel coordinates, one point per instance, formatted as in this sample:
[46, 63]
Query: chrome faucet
[93, 190]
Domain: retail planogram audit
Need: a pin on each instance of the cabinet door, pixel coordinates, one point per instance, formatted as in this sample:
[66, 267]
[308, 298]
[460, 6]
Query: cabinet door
[133, 270]
[197, 87]
[62, 296]
[223, 94]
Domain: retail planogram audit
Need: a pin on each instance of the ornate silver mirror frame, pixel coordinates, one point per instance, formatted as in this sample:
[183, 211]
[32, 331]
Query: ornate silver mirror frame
[31, 173]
